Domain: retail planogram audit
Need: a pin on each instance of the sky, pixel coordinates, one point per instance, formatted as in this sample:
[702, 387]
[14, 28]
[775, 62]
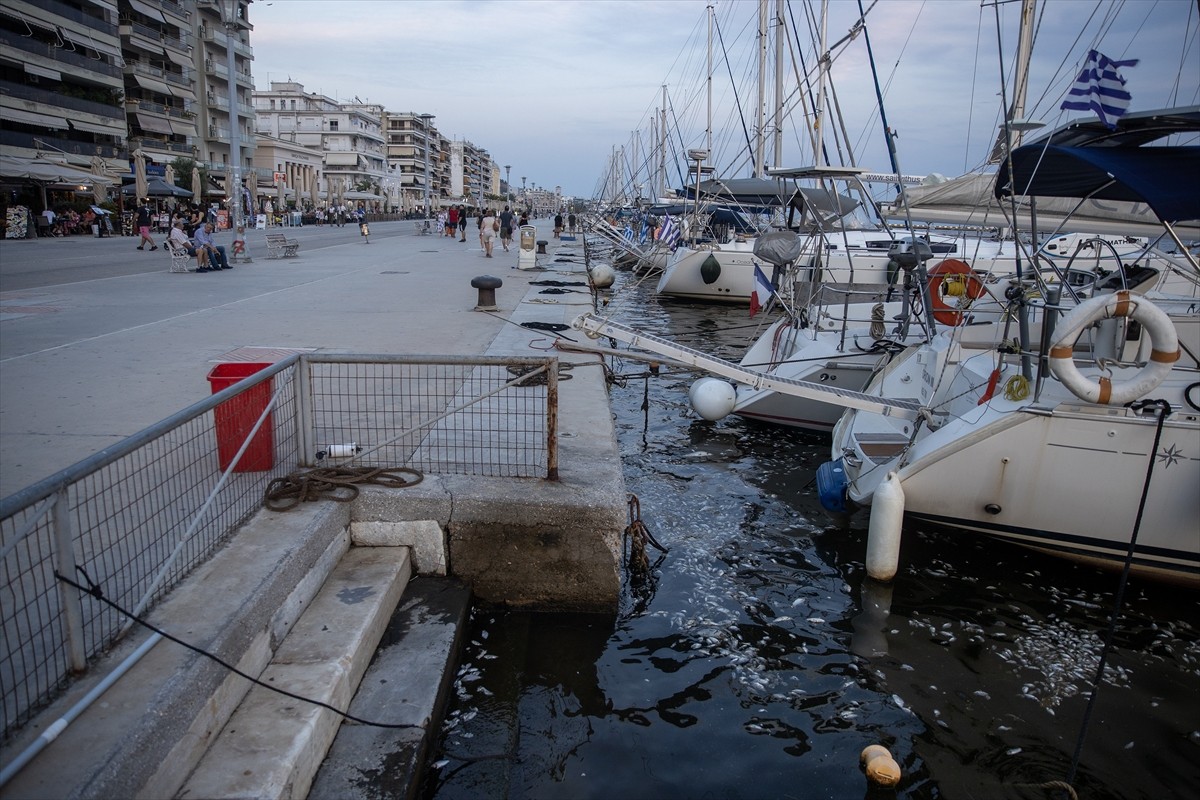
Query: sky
[561, 90]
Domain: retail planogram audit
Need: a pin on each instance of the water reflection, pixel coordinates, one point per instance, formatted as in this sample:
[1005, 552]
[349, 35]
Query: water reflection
[758, 660]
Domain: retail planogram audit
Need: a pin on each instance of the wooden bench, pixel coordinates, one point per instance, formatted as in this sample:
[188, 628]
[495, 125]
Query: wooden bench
[279, 245]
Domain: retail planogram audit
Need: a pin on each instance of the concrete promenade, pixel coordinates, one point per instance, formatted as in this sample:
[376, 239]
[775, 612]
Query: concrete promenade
[98, 340]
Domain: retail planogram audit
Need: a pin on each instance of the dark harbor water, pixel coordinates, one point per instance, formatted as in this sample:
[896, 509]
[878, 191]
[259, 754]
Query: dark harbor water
[758, 661]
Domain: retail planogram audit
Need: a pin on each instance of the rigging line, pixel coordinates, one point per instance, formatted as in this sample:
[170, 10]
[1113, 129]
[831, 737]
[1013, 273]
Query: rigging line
[95, 591]
[1164, 410]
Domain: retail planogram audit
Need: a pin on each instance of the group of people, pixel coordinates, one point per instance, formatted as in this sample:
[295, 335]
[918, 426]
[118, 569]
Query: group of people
[68, 222]
[452, 222]
[558, 224]
[210, 256]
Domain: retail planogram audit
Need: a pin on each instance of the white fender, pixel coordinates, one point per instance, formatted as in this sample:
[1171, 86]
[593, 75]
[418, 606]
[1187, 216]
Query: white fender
[1163, 338]
[883, 534]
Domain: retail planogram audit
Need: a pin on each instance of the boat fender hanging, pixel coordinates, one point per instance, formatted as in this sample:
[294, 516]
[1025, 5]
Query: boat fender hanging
[710, 270]
[1163, 354]
[956, 279]
[712, 398]
[883, 530]
[602, 276]
[881, 768]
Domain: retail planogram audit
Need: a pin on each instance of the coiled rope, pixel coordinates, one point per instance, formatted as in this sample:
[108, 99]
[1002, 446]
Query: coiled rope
[339, 484]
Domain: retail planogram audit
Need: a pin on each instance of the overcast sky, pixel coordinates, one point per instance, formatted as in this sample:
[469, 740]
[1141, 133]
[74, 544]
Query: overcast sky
[551, 87]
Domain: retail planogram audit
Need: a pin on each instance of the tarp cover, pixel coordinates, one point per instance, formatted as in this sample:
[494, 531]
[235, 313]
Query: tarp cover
[1165, 178]
[779, 247]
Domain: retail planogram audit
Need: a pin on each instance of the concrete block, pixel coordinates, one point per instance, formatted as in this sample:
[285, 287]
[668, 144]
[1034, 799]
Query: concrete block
[424, 537]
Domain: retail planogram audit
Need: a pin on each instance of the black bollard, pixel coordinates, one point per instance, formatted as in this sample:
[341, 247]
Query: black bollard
[487, 286]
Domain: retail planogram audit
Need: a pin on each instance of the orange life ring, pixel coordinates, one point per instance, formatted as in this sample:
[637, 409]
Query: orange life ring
[960, 281]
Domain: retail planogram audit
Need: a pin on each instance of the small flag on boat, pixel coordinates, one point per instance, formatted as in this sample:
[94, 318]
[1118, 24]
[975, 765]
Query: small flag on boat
[1100, 88]
[762, 292]
[668, 234]
[628, 234]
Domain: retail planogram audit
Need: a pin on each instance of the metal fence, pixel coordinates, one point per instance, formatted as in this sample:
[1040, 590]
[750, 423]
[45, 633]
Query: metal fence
[139, 516]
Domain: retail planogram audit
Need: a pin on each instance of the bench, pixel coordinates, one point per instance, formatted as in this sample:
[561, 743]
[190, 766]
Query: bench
[179, 257]
[279, 245]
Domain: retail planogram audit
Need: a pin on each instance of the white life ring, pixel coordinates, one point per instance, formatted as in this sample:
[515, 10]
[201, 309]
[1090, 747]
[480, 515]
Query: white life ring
[1163, 339]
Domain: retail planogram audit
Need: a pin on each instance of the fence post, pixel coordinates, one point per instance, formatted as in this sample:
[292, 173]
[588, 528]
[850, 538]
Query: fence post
[552, 420]
[304, 410]
[64, 564]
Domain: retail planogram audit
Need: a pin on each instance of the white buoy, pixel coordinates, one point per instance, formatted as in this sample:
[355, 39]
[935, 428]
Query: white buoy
[602, 276]
[712, 398]
[883, 534]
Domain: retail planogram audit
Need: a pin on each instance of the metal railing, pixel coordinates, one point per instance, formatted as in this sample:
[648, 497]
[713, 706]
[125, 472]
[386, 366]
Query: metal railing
[139, 516]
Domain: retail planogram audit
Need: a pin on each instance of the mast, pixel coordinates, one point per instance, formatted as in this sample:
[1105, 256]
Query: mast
[1020, 84]
[819, 105]
[762, 80]
[662, 146]
[780, 42]
[708, 124]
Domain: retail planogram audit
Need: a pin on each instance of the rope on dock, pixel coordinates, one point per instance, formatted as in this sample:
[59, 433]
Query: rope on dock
[339, 484]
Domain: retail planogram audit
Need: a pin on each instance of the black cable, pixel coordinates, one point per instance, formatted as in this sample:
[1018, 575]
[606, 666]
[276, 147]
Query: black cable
[95, 591]
[1164, 410]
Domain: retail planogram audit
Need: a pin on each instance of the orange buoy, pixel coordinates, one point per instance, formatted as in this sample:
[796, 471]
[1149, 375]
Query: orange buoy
[953, 278]
[879, 765]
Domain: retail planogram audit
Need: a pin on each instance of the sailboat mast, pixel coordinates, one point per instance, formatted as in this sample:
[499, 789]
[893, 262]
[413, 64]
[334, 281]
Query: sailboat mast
[780, 43]
[662, 146]
[760, 107]
[819, 105]
[1012, 137]
[708, 123]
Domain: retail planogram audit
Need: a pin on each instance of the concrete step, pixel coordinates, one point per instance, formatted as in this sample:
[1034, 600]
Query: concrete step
[272, 745]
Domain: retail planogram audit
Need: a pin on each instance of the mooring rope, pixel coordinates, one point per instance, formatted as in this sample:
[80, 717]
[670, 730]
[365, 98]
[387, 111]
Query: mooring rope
[339, 484]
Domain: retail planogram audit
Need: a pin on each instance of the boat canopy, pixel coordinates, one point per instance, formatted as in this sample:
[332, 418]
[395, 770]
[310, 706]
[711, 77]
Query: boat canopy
[1099, 163]
[767, 193]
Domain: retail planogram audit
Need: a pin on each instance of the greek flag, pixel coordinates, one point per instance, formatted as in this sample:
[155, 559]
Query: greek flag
[628, 234]
[1100, 88]
[668, 234]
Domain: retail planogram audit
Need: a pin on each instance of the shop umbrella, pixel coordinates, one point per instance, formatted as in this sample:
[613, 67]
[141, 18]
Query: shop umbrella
[197, 185]
[139, 174]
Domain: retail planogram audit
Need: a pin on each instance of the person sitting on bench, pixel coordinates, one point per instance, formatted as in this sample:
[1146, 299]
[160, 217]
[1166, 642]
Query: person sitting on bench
[216, 253]
[178, 240]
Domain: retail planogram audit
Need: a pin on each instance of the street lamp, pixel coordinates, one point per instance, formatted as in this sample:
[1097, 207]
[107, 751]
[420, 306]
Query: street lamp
[229, 17]
[427, 118]
[508, 183]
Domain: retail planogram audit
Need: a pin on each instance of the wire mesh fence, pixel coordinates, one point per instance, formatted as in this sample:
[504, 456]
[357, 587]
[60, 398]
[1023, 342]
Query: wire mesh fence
[138, 517]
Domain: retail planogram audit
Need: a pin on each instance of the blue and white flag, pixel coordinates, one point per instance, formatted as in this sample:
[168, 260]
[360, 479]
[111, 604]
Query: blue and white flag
[668, 234]
[628, 234]
[1100, 88]
[763, 289]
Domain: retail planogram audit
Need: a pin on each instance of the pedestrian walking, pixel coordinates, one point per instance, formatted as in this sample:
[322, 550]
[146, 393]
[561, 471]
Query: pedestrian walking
[489, 226]
[462, 220]
[558, 220]
[506, 228]
[571, 222]
[144, 217]
[452, 222]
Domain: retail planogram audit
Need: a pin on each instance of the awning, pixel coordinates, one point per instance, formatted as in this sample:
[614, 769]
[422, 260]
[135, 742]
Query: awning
[179, 58]
[43, 72]
[154, 124]
[152, 84]
[38, 169]
[182, 128]
[341, 159]
[116, 128]
[149, 10]
[30, 118]
[183, 92]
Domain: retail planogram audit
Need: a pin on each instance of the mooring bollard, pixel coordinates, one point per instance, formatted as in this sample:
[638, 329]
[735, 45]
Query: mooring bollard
[487, 286]
[542, 247]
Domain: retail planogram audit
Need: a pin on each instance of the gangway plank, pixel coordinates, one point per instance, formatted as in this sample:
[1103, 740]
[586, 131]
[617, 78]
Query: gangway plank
[594, 325]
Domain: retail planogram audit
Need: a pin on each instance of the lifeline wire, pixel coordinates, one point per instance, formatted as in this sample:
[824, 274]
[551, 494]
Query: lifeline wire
[95, 591]
[1164, 410]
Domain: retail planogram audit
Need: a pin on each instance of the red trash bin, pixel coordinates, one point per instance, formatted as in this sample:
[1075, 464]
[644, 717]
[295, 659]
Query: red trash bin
[235, 418]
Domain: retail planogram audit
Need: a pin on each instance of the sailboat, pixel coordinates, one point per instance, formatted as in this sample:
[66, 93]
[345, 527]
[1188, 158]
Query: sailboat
[1084, 443]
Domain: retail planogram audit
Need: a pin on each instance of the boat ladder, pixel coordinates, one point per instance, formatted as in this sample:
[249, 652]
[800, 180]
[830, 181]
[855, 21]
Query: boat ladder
[845, 398]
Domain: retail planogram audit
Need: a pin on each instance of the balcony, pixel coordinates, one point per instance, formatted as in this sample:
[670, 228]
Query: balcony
[55, 100]
[59, 55]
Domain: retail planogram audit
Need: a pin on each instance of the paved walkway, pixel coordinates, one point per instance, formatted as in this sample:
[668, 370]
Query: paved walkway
[99, 340]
